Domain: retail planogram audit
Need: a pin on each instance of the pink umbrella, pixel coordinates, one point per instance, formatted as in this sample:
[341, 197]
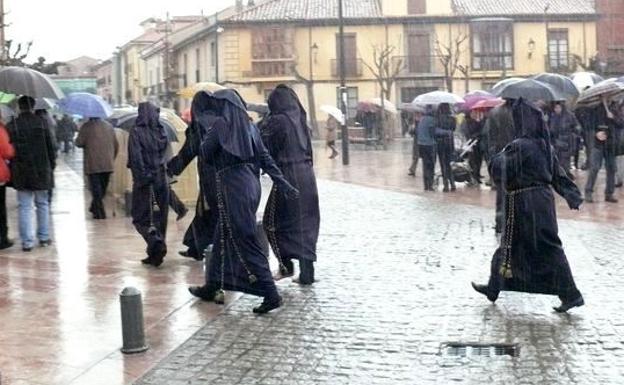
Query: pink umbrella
[472, 99]
[487, 103]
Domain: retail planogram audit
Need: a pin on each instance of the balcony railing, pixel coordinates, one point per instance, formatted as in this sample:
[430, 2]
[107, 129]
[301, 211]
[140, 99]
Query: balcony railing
[270, 68]
[561, 63]
[353, 68]
[418, 65]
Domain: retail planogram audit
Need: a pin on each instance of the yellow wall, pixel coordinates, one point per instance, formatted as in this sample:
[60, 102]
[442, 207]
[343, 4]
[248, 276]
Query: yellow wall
[439, 7]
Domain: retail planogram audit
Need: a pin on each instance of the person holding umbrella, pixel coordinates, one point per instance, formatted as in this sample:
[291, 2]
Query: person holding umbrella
[32, 172]
[530, 257]
[426, 146]
[445, 145]
[147, 148]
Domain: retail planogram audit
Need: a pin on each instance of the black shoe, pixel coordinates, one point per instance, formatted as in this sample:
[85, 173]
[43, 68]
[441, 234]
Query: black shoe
[45, 243]
[453, 188]
[589, 198]
[483, 289]
[267, 306]
[182, 214]
[156, 262]
[611, 199]
[411, 173]
[27, 249]
[191, 254]
[303, 282]
[618, 185]
[206, 294]
[565, 306]
[287, 270]
[6, 244]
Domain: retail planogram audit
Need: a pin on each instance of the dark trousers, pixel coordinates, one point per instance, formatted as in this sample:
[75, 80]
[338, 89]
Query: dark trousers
[4, 229]
[598, 155]
[415, 156]
[445, 154]
[427, 154]
[98, 183]
[175, 203]
[475, 159]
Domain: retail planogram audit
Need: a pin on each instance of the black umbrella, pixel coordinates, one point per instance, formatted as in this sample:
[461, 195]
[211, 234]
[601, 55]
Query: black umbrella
[128, 121]
[24, 81]
[562, 84]
[531, 89]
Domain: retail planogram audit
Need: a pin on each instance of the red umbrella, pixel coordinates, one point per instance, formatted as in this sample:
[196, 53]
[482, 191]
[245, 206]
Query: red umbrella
[186, 115]
[488, 103]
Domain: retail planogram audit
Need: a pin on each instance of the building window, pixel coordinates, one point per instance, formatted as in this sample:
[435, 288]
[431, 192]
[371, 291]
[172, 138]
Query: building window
[558, 49]
[213, 54]
[416, 7]
[419, 49]
[273, 51]
[197, 65]
[492, 45]
[353, 65]
[352, 102]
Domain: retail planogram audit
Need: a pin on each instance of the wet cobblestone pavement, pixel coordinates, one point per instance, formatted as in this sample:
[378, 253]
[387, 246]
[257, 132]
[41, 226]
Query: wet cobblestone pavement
[394, 285]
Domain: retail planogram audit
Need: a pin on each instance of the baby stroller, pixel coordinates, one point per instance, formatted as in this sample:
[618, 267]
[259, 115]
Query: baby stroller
[460, 166]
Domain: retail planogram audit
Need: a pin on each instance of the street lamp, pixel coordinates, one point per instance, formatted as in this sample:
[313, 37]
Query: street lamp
[218, 31]
[531, 47]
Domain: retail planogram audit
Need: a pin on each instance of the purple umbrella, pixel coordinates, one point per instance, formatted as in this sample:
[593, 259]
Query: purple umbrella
[472, 100]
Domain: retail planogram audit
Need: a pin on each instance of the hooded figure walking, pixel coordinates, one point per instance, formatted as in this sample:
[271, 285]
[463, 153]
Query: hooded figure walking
[233, 146]
[292, 226]
[200, 233]
[147, 147]
[530, 258]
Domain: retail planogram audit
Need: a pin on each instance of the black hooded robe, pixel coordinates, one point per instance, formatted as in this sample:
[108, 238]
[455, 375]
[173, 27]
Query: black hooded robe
[530, 258]
[147, 146]
[292, 226]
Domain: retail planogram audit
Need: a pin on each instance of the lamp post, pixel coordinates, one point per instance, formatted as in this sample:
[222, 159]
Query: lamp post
[343, 88]
[218, 31]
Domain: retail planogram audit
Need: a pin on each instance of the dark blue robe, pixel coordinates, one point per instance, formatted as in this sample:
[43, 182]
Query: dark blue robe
[531, 257]
[292, 226]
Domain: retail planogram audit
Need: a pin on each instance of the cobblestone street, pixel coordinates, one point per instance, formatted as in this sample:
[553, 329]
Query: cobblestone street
[394, 286]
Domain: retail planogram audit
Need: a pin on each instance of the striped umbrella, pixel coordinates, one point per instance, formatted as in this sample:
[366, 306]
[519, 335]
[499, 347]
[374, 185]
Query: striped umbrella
[611, 90]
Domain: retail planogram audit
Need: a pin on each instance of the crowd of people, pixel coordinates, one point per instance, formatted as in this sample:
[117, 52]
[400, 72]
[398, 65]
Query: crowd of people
[595, 131]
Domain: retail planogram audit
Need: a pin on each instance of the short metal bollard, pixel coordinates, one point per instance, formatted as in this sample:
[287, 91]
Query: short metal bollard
[132, 321]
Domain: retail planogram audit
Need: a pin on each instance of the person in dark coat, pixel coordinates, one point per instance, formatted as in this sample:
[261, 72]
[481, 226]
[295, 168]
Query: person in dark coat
[563, 130]
[445, 145]
[65, 130]
[413, 131]
[499, 131]
[426, 146]
[32, 171]
[98, 139]
[233, 146]
[292, 226]
[147, 147]
[472, 128]
[602, 139]
[201, 232]
[530, 258]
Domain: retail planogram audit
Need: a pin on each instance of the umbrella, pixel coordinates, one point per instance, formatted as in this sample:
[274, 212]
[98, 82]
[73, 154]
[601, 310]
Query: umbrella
[608, 89]
[259, 108]
[411, 107]
[471, 100]
[488, 103]
[477, 93]
[189, 92]
[583, 80]
[127, 122]
[563, 84]
[6, 113]
[44, 104]
[388, 105]
[498, 87]
[24, 81]
[438, 97]
[335, 112]
[531, 89]
[86, 105]
[367, 107]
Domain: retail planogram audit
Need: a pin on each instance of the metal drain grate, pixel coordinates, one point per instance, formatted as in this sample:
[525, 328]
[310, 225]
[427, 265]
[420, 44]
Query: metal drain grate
[463, 349]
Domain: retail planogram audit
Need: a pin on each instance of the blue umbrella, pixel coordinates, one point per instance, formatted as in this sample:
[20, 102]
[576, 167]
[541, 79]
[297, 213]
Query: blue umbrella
[86, 105]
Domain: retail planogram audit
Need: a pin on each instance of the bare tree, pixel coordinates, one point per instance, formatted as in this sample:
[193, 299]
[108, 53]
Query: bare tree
[464, 69]
[309, 84]
[385, 70]
[449, 55]
[15, 56]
